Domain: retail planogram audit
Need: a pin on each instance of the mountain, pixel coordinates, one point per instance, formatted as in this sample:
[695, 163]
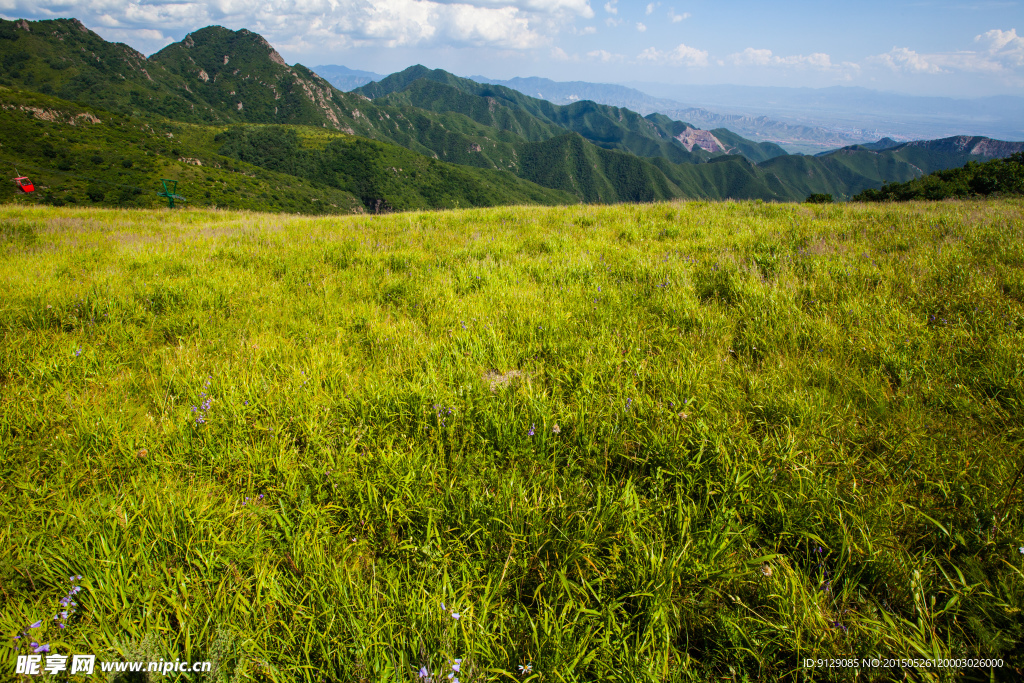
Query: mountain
[938, 155]
[220, 76]
[241, 76]
[78, 154]
[799, 119]
[84, 155]
[883, 144]
[346, 79]
[61, 57]
[419, 138]
[385, 177]
[214, 75]
[792, 136]
[536, 119]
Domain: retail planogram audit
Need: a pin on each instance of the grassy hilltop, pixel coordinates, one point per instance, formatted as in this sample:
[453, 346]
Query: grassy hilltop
[680, 442]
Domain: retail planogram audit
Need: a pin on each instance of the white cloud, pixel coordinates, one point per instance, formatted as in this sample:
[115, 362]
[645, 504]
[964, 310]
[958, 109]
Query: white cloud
[1004, 46]
[587, 30]
[816, 60]
[751, 56]
[610, 7]
[651, 7]
[500, 27]
[906, 60]
[610, 21]
[560, 55]
[1001, 53]
[681, 55]
[762, 57]
[676, 18]
[605, 56]
[315, 25]
[640, 26]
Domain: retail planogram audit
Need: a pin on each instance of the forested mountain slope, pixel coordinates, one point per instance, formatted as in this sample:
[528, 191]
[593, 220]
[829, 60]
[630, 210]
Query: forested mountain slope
[518, 148]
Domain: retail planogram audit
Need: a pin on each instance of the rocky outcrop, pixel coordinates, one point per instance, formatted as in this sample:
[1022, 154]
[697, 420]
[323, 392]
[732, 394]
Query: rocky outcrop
[56, 115]
[694, 137]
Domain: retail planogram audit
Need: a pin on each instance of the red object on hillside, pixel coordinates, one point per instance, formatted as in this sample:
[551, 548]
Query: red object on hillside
[24, 184]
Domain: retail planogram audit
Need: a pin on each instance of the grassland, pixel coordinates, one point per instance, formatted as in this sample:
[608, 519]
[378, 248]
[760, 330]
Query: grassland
[685, 442]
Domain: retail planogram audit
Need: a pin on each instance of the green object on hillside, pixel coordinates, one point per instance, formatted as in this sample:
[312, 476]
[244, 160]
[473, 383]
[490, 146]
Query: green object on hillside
[170, 191]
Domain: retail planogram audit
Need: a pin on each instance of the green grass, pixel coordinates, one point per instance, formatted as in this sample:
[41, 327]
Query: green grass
[783, 431]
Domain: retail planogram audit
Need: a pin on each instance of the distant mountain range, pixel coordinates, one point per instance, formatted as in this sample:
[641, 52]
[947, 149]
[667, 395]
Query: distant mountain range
[799, 119]
[419, 138]
[793, 137]
[859, 112]
[346, 79]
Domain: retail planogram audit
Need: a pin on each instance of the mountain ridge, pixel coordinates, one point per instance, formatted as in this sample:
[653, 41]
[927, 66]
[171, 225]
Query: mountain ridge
[583, 151]
[761, 128]
[605, 125]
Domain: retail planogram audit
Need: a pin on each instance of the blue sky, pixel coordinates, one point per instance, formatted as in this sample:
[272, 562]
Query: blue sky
[927, 48]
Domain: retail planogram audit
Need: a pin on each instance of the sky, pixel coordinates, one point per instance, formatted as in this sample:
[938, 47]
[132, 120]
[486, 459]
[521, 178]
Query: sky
[959, 49]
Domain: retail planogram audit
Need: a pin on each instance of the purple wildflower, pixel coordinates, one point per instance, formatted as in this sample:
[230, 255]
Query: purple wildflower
[37, 624]
[531, 430]
[424, 673]
[41, 648]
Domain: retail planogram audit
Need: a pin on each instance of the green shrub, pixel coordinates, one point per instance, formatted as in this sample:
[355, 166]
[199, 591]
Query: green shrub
[95, 193]
[974, 179]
